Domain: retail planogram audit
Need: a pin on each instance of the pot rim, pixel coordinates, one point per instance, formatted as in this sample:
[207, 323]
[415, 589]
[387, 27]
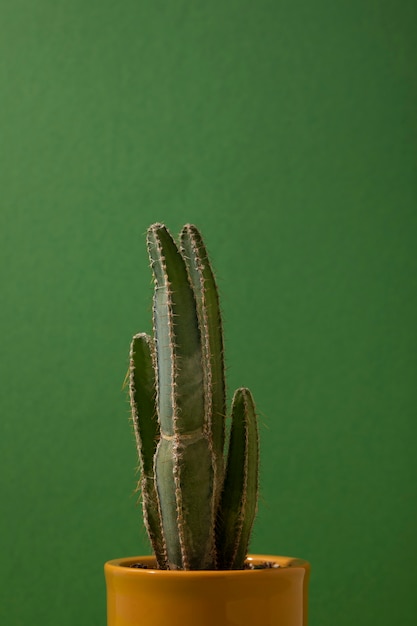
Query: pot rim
[283, 562]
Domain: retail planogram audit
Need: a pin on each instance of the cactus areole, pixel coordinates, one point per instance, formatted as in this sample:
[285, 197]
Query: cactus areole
[198, 507]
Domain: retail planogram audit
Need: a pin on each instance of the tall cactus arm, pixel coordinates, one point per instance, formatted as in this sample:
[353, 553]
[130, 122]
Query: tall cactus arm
[180, 370]
[183, 461]
[240, 493]
[142, 393]
[208, 309]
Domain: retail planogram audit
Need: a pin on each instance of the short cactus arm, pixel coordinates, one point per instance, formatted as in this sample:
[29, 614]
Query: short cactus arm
[142, 392]
[240, 493]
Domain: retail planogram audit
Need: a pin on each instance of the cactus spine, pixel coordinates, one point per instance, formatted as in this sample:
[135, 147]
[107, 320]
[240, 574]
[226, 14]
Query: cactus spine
[198, 514]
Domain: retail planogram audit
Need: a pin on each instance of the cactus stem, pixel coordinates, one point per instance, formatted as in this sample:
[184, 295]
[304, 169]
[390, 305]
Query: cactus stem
[198, 516]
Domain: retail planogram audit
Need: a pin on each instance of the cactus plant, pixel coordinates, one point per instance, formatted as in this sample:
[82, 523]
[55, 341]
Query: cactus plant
[198, 509]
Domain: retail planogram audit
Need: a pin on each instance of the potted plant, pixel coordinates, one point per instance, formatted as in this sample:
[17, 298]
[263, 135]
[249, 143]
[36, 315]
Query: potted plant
[198, 508]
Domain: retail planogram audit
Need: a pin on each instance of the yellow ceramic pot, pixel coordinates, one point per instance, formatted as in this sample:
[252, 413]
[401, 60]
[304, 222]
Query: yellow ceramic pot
[261, 597]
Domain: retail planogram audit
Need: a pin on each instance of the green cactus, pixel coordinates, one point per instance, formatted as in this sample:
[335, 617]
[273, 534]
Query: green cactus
[198, 511]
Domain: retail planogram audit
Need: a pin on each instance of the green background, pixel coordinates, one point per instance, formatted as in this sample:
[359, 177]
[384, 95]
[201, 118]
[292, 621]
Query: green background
[287, 132]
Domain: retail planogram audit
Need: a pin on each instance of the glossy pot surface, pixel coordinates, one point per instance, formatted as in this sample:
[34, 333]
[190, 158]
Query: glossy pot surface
[274, 596]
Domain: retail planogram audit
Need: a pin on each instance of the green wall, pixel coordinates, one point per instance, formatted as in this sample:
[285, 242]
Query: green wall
[287, 132]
